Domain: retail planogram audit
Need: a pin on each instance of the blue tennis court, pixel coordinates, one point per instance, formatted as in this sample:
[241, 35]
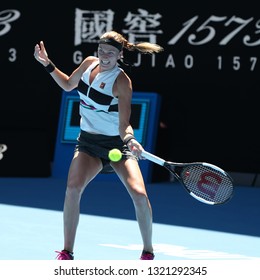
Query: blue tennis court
[184, 229]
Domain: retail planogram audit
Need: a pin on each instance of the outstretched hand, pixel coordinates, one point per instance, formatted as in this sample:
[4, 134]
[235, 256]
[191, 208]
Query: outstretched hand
[40, 54]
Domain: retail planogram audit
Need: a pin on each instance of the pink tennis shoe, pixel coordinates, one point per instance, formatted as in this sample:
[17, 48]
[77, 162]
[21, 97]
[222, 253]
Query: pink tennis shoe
[147, 256]
[64, 255]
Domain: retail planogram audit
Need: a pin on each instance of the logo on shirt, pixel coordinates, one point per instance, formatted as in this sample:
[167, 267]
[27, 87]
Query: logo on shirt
[102, 85]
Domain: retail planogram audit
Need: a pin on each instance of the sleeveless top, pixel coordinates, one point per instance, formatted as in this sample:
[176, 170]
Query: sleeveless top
[98, 107]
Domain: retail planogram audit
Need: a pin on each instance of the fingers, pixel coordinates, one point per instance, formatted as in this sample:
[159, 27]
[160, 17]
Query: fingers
[135, 147]
[40, 53]
[39, 46]
[42, 46]
[37, 50]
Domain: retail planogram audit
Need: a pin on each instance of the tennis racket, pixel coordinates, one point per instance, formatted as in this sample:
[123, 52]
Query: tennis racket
[204, 181]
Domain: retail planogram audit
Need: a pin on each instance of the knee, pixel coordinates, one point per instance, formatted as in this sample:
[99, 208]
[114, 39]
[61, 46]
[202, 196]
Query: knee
[140, 198]
[74, 188]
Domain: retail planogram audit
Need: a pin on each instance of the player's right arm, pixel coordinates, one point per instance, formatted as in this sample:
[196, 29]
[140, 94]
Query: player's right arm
[66, 82]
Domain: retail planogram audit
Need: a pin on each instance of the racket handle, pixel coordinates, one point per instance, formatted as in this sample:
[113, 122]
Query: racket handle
[153, 158]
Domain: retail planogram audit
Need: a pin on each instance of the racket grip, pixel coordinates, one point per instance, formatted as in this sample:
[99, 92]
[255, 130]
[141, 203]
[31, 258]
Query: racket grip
[153, 158]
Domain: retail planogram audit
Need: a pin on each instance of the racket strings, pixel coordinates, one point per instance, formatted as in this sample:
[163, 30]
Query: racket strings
[207, 183]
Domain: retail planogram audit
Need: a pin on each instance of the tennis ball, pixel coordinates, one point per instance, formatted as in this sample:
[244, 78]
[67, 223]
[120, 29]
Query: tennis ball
[114, 155]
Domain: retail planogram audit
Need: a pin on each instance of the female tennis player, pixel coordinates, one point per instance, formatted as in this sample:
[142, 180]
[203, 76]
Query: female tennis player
[105, 92]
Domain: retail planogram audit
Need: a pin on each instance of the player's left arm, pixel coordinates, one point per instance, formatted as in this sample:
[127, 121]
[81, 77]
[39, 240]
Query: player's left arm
[124, 92]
